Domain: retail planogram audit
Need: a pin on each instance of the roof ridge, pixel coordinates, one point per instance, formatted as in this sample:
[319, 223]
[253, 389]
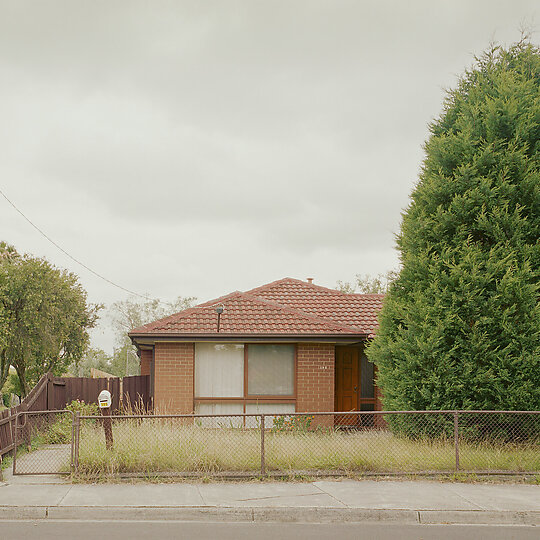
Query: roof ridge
[294, 311]
[268, 285]
[295, 280]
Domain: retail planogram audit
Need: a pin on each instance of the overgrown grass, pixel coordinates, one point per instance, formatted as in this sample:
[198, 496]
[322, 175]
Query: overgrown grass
[157, 446]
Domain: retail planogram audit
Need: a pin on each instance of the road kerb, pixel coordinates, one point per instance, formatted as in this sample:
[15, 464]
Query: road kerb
[268, 515]
[479, 517]
[332, 515]
[23, 512]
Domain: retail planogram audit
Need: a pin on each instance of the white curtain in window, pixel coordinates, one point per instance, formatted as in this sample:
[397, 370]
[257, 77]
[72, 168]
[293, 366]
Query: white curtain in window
[219, 370]
[220, 408]
[277, 409]
[271, 370]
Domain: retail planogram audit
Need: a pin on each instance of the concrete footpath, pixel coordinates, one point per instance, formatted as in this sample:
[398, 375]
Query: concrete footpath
[324, 501]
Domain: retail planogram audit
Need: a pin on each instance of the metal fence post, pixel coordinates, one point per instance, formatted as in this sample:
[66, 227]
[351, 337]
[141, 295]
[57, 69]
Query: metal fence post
[456, 438]
[15, 441]
[72, 457]
[263, 465]
[76, 437]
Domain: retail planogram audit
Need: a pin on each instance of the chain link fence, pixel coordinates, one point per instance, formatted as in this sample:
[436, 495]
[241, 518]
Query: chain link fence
[379, 442]
[44, 442]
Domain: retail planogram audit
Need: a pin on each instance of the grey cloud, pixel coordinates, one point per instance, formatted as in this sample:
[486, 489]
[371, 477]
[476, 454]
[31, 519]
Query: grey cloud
[187, 147]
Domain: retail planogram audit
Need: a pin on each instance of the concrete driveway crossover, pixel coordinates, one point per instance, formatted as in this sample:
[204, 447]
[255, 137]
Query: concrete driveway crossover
[33, 494]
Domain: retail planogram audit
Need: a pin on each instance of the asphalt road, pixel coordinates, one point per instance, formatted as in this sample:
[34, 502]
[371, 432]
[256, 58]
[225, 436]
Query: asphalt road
[135, 530]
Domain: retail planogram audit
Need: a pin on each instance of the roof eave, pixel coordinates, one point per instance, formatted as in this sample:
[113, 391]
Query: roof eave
[296, 338]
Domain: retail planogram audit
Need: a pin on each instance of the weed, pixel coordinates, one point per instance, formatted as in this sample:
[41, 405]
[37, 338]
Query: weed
[153, 446]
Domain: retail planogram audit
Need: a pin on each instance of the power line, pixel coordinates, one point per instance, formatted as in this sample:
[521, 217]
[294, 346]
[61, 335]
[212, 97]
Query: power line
[76, 260]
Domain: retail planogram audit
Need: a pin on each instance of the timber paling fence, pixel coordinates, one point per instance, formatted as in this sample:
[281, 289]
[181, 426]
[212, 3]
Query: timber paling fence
[54, 393]
[327, 443]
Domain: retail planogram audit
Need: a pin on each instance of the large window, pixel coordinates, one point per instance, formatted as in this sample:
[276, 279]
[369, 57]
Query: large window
[219, 370]
[271, 370]
[237, 378]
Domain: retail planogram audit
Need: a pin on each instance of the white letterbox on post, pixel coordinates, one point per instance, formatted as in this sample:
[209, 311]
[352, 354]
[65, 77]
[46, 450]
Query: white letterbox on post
[104, 399]
[104, 402]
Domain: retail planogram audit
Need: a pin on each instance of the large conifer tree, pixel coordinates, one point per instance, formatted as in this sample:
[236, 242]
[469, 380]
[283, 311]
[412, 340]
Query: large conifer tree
[460, 327]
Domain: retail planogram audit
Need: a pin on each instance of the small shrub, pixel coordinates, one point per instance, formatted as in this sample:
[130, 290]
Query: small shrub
[6, 462]
[59, 432]
[86, 409]
[292, 423]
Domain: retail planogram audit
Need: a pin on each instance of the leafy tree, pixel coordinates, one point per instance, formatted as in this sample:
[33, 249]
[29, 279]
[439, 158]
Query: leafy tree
[7, 254]
[367, 284]
[4, 360]
[92, 358]
[46, 318]
[129, 314]
[11, 386]
[460, 327]
[125, 361]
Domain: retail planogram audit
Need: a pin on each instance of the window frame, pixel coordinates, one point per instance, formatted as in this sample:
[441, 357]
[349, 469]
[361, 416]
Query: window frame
[366, 400]
[253, 398]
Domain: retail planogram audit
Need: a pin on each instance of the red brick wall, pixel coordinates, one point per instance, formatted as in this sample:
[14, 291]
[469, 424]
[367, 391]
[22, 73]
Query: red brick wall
[173, 377]
[146, 361]
[315, 377]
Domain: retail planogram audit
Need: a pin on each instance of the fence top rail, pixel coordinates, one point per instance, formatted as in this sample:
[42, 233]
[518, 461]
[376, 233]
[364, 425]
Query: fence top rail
[7, 419]
[50, 411]
[329, 413]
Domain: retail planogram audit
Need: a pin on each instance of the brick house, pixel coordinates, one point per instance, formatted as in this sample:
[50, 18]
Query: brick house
[283, 347]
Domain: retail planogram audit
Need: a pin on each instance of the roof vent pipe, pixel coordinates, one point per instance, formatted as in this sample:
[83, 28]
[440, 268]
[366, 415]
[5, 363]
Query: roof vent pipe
[219, 311]
[310, 280]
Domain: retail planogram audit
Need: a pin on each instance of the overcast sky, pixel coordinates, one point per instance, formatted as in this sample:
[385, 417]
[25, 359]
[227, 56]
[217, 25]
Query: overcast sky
[197, 148]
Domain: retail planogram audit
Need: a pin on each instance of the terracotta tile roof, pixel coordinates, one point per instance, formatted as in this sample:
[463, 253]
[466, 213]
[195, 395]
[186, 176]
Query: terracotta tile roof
[356, 310]
[285, 307]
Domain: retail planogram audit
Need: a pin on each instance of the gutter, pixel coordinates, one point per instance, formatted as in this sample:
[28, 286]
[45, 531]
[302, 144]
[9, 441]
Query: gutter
[248, 338]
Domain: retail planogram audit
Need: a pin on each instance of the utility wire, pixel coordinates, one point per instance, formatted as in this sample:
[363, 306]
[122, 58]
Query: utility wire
[76, 260]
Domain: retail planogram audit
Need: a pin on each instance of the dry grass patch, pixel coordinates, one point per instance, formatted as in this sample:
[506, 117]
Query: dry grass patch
[155, 446]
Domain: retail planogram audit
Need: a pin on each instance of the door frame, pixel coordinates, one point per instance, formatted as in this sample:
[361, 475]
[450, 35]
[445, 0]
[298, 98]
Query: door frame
[360, 401]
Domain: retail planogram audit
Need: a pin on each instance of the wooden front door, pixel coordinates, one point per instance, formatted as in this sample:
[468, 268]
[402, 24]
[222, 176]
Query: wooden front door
[346, 387]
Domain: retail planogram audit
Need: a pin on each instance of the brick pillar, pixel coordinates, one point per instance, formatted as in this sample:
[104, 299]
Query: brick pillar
[146, 361]
[315, 383]
[173, 377]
